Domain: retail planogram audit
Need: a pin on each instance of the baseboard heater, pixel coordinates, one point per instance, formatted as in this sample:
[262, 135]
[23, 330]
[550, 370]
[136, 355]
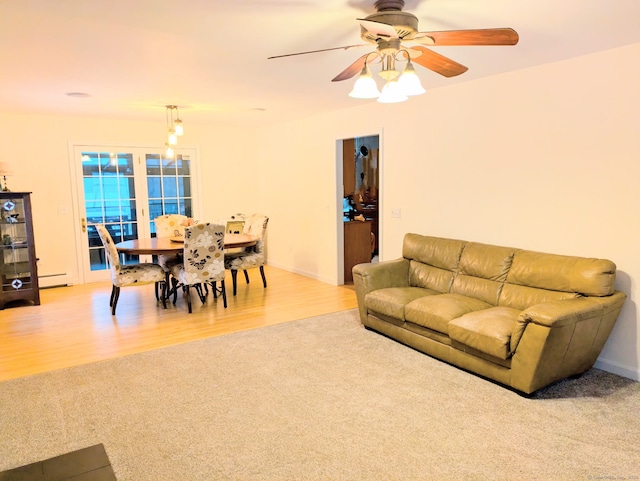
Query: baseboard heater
[53, 280]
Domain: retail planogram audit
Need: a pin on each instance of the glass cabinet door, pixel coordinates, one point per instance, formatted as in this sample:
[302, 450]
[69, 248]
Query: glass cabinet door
[18, 276]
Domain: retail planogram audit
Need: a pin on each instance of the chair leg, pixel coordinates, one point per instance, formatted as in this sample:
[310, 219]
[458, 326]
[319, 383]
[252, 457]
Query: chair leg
[165, 290]
[188, 298]
[223, 289]
[246, 276]
[264, 279]
[113, 293]
[114, 296]
[157, 285]
[234, 278]
[174, 283]
[200, 292]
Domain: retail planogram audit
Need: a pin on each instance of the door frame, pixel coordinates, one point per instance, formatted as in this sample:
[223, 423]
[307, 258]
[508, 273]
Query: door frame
[77, 190]
[339, 163]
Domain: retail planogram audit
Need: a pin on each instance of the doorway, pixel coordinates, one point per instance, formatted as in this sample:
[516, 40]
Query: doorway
[360, 201]
[125, 188]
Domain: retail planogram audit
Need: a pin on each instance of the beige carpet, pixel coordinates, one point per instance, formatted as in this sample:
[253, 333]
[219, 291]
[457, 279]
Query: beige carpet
[318, 399]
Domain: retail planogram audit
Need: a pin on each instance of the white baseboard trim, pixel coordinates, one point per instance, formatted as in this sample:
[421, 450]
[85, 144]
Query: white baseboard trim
[616, 368]
[311, 275]
[53, 280]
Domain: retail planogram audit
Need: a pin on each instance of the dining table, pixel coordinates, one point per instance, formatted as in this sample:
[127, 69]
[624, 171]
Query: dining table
[175, 245]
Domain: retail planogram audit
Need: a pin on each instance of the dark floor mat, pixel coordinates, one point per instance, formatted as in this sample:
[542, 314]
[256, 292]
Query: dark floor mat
[88, 464]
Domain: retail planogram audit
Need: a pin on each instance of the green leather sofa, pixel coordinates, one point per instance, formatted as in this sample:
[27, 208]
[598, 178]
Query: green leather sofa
[521, 318]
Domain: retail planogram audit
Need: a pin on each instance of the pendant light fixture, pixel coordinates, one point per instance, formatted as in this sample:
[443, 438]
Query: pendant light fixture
[174, 130]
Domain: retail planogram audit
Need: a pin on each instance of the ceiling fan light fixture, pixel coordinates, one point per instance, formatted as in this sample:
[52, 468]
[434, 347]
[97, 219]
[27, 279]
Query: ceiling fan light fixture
[365, 87]
[389, 74]
[392, 93]
[397, 37]
[410, 82]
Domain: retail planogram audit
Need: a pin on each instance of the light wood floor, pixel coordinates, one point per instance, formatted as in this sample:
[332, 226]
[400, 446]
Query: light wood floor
[73, 325]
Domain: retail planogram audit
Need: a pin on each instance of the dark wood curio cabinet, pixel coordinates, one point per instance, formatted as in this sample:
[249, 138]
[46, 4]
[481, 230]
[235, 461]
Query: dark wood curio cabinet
[18, 269]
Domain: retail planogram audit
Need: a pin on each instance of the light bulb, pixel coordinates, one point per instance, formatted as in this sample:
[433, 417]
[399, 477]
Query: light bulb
[177, 127]
[169, 152]
[172, 138]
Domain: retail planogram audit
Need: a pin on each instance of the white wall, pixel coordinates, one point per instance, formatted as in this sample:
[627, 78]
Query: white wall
[546, 159]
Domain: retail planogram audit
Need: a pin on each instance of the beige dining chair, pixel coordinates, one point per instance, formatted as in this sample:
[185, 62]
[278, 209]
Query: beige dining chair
[203, 262]
[169, 225]
[127, 274]
[250, 257]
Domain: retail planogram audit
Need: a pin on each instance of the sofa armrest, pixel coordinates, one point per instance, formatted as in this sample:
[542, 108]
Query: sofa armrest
[563, 312]
[556, 339]
[555, 314]
[380, 275]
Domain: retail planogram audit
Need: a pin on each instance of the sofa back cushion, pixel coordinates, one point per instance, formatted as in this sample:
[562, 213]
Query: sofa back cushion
[435, 251]
[580, 275]
[429, 277]
[482, 270]
[521, 297]
[503, 276]
[433, 261]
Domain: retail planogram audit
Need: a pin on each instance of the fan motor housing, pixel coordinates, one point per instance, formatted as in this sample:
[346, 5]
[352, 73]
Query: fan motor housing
[405, 23]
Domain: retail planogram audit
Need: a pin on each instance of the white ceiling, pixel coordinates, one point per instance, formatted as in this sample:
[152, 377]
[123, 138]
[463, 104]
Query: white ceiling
[209, 57]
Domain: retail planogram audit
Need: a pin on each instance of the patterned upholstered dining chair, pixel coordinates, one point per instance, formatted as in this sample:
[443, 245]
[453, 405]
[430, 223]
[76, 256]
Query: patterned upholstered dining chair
[169, 225]
[250, 257]
[203, 262]
[129, 274]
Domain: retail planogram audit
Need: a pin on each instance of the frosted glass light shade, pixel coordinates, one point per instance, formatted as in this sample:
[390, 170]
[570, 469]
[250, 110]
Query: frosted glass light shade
[5, 169]
[177, 127]
[365, 87]
[392, 93]
[172, 139]
[410, 82]
[169, 152]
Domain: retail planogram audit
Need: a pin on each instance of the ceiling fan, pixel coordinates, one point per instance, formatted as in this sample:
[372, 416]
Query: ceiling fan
[396, 35]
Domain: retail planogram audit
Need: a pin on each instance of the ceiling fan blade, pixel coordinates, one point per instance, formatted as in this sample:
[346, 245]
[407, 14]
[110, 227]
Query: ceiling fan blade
[346, 47]
[378, 29]
[438, 63]
[423, 38]
[352, 70]
[489, 36]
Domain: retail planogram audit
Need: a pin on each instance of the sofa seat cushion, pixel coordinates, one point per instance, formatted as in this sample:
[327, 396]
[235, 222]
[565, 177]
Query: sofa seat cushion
[488, 331]
[391, 301]
[435, 312]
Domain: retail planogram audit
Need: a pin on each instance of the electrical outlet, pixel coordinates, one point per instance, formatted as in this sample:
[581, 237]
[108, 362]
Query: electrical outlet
[396, 213]
[63, 211]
